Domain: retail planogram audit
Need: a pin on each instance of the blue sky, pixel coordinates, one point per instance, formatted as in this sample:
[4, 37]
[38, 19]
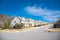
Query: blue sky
[45, 10]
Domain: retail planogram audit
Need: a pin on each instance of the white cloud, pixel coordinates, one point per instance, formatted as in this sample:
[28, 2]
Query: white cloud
[45, 13]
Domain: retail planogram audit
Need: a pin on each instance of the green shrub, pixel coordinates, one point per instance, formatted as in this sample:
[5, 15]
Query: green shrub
[6, 26]
[35, 25]
[18, 26]
[39, 25]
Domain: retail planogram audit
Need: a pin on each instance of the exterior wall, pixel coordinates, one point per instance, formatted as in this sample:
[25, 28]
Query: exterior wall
[14, 21]
[39, 22]
[23, 20]
[31, 22]
[26, 24]
[36, 23]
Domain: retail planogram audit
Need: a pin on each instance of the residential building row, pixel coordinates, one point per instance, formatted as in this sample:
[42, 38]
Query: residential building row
[26, 21]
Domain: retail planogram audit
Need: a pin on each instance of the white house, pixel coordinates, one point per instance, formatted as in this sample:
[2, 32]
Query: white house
[37, 22]
[30, 22]
[15, 20]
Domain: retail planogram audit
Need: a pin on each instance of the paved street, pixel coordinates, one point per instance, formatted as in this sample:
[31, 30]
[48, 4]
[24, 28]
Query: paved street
[36, 34]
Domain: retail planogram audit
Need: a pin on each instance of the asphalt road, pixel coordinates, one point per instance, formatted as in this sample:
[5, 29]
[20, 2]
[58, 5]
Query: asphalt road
[32, 35]
[36, 34]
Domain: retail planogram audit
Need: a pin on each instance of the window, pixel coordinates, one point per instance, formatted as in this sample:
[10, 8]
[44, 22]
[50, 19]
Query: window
[14, 21]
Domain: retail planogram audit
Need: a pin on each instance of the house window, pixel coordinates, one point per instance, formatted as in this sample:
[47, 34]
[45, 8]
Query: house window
[14, 21]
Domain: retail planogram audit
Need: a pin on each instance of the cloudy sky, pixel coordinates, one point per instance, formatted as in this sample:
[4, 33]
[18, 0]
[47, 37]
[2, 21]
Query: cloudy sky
[45, 10]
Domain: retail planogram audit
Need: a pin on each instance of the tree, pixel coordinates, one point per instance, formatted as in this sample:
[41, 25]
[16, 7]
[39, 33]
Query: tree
[57, 24]
[7, 26]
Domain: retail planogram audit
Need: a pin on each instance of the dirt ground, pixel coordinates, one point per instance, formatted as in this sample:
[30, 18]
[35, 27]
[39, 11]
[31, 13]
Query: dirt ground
[53, 30]
[19, 30]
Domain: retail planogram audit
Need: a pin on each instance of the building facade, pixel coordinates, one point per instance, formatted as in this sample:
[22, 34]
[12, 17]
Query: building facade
[27, 22]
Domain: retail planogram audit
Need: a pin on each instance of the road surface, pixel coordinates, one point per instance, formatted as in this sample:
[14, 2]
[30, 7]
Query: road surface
[36, 34]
